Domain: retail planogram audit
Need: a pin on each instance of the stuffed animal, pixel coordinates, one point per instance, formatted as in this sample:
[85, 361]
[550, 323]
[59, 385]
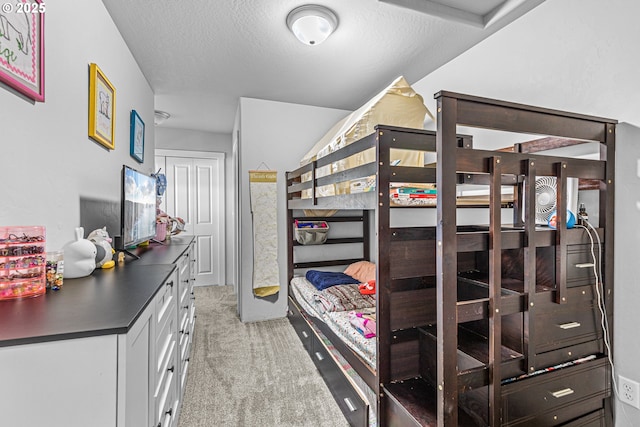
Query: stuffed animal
[104, 252]
[79, 256]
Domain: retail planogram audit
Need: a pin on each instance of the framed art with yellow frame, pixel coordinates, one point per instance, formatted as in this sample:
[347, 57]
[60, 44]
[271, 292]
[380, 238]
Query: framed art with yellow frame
[102, 108]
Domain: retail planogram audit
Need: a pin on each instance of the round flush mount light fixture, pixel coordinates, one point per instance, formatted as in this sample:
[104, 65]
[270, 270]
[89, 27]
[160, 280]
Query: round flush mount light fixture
[160, 117]
[312, 23]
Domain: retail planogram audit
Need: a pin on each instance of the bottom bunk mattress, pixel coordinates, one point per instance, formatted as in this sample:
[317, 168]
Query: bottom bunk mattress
[332, 306]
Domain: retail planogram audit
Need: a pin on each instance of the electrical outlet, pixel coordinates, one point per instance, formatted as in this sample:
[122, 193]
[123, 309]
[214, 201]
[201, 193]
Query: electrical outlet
[629, 391]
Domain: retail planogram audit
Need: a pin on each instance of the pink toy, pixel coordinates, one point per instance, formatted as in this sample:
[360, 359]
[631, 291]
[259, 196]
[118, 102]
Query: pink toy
[365, 326]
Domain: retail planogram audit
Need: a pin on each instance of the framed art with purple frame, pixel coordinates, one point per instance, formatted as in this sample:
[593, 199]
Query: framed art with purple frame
[22, 47]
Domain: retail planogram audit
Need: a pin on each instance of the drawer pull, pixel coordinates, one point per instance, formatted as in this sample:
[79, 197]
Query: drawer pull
[585, 265]
[304, 334]
[562, 393]
[171, 369]
[570, 325]
[350, 405]
[319, 356]
[170, 284]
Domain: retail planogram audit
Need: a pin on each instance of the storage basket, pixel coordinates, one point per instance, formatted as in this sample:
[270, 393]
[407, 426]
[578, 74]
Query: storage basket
[311, 232]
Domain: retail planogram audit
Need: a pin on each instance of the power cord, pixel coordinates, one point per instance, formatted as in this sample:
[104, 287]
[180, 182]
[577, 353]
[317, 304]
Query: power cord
[599, 288]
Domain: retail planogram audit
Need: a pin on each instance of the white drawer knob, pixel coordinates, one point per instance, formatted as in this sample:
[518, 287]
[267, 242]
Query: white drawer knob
[561, 393]
[585, 265]
[350, 405]
[570, 325]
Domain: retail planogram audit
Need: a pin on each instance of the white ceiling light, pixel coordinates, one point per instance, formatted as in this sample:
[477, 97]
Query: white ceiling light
[160, 117]
[312, 23]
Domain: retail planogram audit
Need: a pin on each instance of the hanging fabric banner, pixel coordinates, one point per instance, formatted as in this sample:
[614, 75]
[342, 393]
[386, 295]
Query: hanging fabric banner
[264, 214]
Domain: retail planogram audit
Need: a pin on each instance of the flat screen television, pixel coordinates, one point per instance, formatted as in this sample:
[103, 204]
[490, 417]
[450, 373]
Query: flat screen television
[138, 207]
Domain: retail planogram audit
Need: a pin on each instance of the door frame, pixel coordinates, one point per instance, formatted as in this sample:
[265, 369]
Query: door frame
[222, 242]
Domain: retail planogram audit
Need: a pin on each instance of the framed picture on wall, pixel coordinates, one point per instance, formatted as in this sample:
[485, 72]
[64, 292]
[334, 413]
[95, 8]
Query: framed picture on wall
[137, 137]
[22, 47]
[102, 108]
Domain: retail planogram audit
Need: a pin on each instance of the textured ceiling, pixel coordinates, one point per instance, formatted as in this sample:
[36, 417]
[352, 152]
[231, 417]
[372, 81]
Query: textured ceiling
[201, 56]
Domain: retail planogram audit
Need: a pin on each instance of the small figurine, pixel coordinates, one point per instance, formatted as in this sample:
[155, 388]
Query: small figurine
[79, 256]
[104, 251]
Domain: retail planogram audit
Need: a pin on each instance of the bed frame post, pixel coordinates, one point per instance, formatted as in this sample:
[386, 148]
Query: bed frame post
[446, 264]
[383, 279]
[529, 275]
[606, 222]
[495, 291]
[289, 234]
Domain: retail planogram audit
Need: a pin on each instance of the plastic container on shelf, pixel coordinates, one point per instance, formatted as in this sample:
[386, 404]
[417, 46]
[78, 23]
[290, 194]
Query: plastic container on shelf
[55, 270]
[22, 262]
[311, 232]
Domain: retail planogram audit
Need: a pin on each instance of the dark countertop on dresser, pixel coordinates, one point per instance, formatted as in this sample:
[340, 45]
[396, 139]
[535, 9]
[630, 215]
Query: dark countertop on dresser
[108, 301]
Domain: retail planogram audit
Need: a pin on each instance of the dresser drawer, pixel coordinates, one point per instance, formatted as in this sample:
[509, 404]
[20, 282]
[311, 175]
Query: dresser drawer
[166, 352]
[352, 405]
[556, 397]
[184, 295]
[183, 375]
[580, 265]
[183, 321]
[300, 325]
[165, 299]
[594, 419]
[567, 325]
[167, 399]
[567, 354]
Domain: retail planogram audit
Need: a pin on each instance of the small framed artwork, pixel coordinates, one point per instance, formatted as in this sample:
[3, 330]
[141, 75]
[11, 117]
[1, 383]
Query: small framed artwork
[102, 108]
[137, 137]
[22, 47]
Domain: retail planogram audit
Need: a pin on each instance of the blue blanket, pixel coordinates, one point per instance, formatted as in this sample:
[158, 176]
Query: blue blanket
[325, 279]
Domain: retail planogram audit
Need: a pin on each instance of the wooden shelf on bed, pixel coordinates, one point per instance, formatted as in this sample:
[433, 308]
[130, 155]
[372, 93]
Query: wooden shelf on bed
[473, 358]
[413, 403]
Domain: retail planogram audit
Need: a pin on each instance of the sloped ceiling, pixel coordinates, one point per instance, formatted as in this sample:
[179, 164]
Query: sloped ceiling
[201, 56]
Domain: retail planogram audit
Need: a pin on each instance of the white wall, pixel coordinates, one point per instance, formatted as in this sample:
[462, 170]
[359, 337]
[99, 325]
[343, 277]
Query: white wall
[575, 55]
[48, 161]
[193, 140]
[278, 134]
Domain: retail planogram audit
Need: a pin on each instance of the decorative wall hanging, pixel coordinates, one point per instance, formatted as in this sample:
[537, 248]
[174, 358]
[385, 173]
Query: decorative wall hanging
[137, 137]
[264, 214]
[102, 108]
[22, 47]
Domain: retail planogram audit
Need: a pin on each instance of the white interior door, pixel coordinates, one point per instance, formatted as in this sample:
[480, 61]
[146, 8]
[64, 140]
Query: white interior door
[195, 193]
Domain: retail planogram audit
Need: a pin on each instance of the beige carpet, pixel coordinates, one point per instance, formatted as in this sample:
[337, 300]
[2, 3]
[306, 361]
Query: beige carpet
[253, 374]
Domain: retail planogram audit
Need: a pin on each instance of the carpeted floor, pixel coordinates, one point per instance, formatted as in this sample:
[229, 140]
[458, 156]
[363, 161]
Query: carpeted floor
[250, 374]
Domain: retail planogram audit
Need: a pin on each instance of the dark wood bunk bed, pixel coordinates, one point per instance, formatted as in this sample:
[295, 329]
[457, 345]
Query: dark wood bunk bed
[484, 324]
